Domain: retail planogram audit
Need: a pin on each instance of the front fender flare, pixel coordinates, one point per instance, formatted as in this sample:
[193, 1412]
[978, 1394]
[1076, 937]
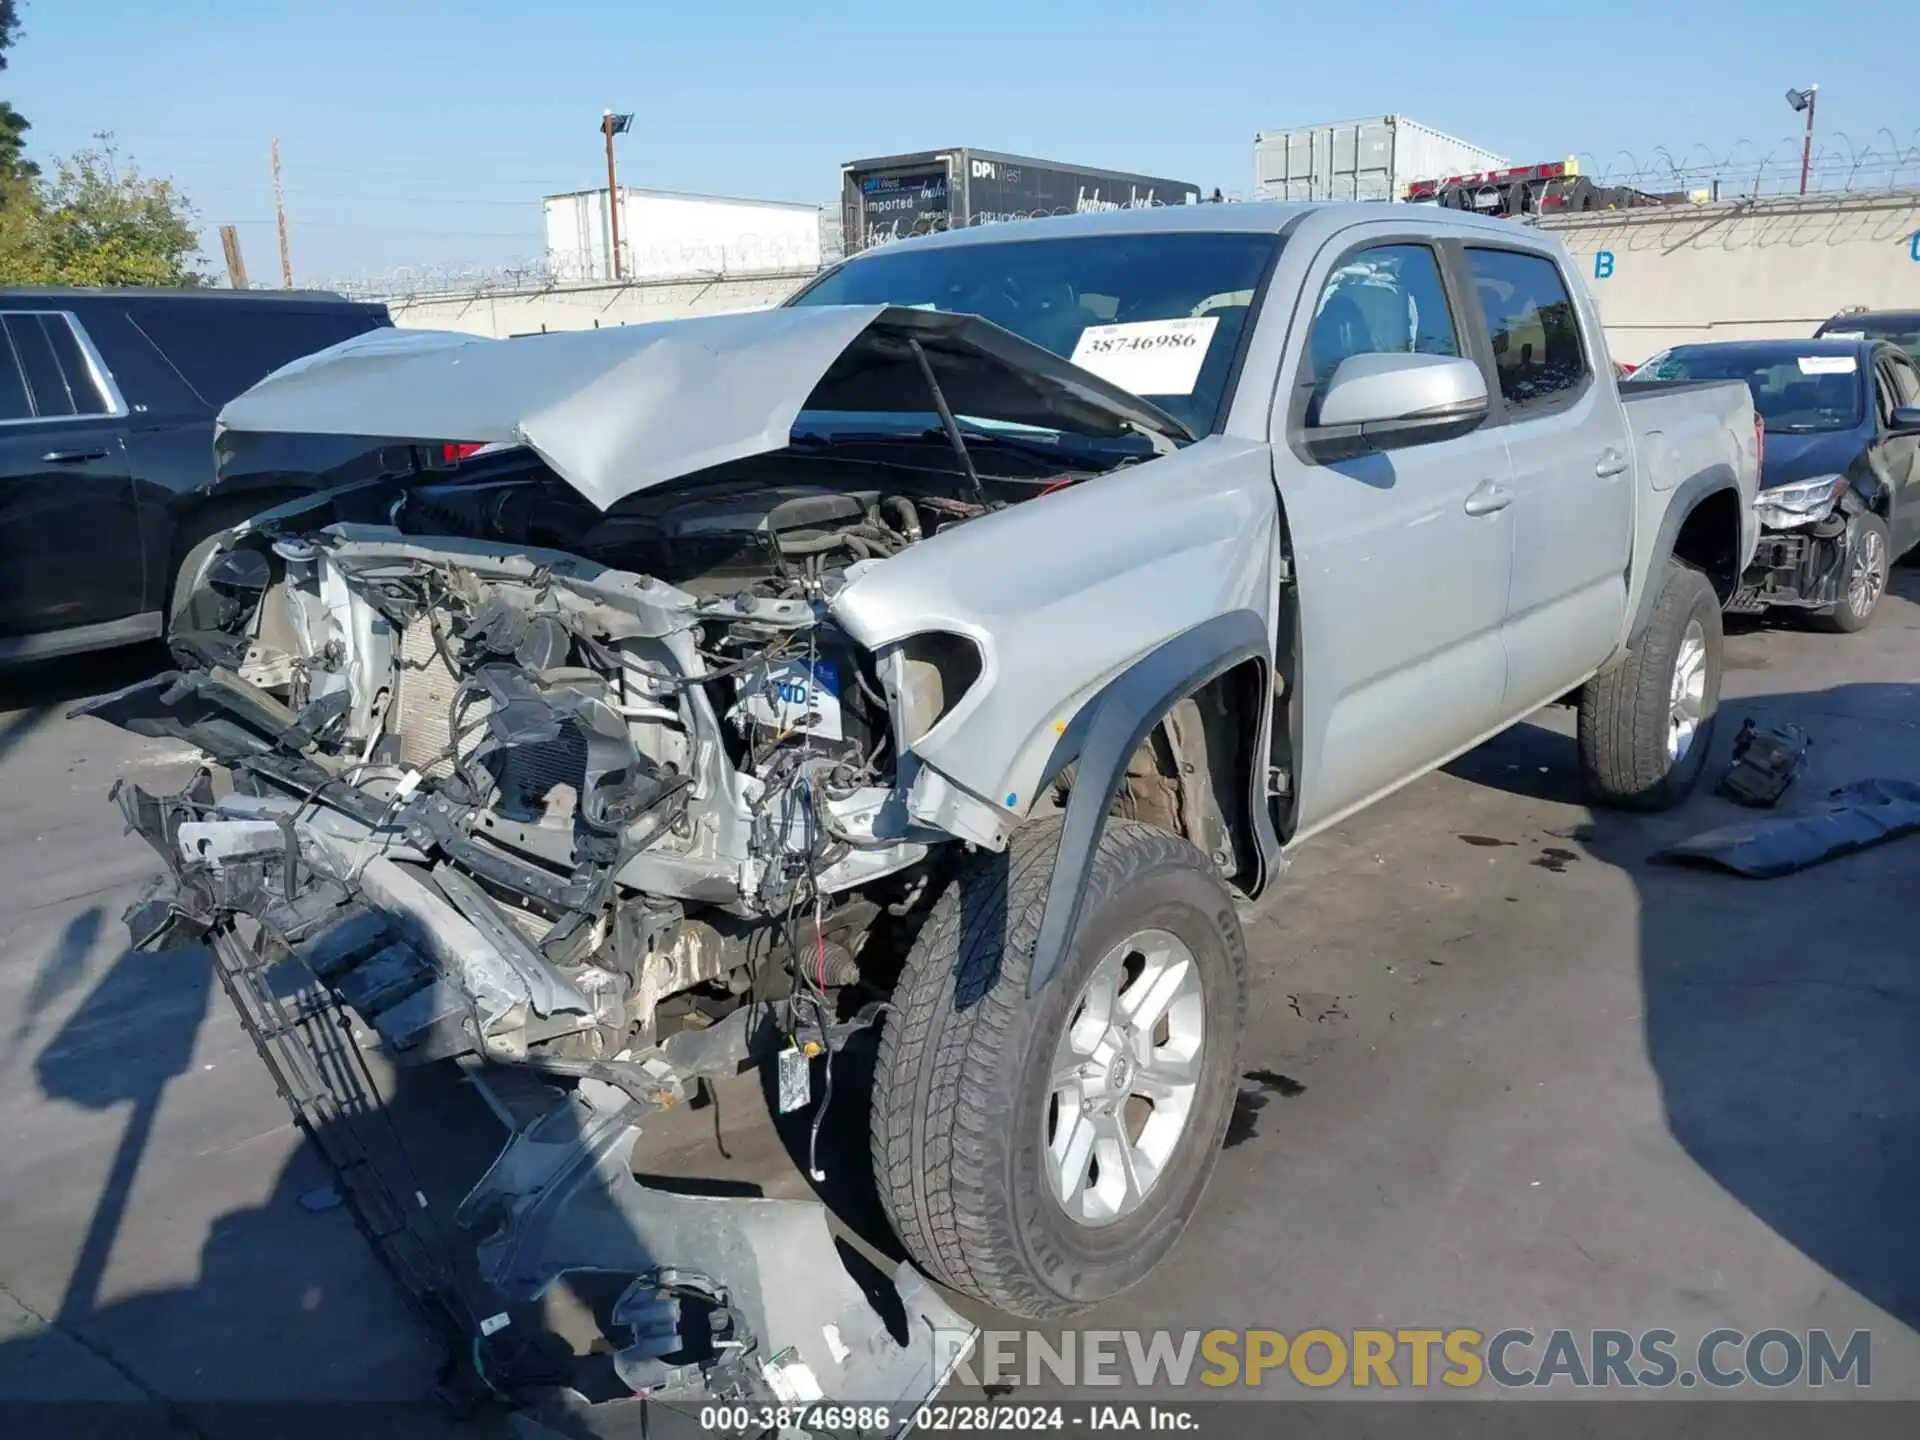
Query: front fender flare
[1119, 720]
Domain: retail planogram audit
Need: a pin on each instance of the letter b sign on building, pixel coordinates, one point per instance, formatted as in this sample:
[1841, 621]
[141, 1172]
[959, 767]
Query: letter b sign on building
[1603, 264]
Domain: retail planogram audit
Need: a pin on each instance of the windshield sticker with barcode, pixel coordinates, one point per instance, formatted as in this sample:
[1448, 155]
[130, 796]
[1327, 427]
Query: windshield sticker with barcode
[1148, 357]
[1828, 365]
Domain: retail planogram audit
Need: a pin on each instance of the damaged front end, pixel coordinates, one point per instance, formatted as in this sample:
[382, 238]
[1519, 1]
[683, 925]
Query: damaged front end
[561, 765]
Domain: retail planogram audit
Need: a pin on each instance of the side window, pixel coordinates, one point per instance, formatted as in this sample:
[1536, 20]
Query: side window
[14, 404]
[1886, 393]
[1906, 381]
[1385, 300]
[87, 396]
[1531, 320]
[51, 398]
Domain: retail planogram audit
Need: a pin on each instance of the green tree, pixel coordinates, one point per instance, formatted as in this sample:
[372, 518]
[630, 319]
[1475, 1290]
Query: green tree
[97, 222]
[13, 125]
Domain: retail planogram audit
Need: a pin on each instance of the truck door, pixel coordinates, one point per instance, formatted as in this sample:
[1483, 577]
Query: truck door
[70, 553]
[1573, 479]
[1402, 554]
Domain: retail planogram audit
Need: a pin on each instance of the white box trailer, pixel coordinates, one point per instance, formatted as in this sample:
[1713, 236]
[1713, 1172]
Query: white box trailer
[666, 235]
[1371, 159]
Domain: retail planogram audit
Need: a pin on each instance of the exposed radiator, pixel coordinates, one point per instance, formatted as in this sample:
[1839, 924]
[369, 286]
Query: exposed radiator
[535, 781]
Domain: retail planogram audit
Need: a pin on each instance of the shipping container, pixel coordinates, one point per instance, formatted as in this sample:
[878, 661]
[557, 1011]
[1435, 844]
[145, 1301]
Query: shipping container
[669, 236]
[895, 196]
[1372, 159]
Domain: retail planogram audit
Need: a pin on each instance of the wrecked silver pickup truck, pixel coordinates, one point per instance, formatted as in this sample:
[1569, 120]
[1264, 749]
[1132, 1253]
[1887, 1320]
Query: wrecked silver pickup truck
[949, 651]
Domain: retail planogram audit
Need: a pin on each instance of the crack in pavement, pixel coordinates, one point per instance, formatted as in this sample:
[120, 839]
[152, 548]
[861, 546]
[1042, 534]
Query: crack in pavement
[175, 1415]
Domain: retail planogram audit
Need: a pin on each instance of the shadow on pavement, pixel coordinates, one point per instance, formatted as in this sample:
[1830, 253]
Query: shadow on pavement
[31, 695]
[1782, 1017]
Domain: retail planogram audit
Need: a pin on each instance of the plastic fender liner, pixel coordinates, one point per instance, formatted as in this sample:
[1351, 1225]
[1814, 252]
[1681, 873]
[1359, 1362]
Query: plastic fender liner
[1121, 717]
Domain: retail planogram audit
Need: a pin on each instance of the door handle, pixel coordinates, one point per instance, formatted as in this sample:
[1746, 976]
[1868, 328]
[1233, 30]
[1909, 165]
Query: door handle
[1488, 498]
[1612, 462]
[71, 457]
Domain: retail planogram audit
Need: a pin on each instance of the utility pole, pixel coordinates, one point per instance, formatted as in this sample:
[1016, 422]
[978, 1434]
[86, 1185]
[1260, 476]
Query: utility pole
[610, 126]
[280, 218]
[236, 263]
[1803, 100]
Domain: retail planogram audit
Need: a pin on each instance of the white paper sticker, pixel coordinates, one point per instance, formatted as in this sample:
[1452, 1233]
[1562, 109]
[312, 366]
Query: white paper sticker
[793, 697]
[1828, 365]
[1148, 357]
[792, 1383]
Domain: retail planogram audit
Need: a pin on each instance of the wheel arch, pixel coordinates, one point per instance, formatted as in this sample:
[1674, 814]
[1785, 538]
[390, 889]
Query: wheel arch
[1702, 527]
[1176, 703]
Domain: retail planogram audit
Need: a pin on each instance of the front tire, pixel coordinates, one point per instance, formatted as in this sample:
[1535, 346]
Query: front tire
[1646, 725]
[1044, 1154]
[1869, 556]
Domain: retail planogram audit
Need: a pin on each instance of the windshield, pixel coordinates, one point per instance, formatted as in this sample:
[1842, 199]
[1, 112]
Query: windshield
[1794, 394]
[1159, 315]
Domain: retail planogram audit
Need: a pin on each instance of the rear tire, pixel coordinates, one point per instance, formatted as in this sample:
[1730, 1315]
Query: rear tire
[1869, 556]
[972, 1129]
[1646, 725]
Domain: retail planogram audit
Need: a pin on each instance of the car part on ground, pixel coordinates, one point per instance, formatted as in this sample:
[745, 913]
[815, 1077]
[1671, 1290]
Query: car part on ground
[1764, 762]
[1864, 814]
[1645, 726]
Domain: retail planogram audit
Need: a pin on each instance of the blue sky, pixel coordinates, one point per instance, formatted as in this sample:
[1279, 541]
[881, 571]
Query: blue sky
[422, 132]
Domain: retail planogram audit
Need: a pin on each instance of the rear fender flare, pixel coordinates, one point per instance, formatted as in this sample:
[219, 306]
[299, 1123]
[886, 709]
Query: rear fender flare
[1117, 722]
[1686, 498]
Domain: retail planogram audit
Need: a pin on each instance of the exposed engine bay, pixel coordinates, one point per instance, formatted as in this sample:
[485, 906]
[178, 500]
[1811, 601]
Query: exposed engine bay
[605, 799]
[640, 733]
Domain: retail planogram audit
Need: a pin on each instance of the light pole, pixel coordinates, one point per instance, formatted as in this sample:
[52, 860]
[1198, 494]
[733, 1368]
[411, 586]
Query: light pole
[1803, 100]
[610, 126]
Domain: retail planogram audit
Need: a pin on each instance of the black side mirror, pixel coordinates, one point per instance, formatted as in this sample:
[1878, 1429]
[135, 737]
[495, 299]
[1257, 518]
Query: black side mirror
[1906, 420]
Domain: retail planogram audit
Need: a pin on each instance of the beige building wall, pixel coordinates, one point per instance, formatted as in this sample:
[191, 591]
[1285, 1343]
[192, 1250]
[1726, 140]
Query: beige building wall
[1765, 269]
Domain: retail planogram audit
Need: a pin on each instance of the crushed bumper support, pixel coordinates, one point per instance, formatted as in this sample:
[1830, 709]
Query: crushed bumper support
[746, 1300]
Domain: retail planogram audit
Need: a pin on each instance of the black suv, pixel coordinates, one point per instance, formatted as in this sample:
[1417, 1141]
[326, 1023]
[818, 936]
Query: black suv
[107, 403]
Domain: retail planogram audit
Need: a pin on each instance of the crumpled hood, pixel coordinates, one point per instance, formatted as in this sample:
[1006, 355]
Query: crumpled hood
[1801, 457]
[620, 410]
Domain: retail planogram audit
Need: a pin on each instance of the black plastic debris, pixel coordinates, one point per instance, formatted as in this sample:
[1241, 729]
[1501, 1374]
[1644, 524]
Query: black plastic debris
[1863, 814]
[1764, 762]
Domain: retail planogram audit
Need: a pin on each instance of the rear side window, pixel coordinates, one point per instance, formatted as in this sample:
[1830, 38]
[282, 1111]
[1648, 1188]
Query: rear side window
[51, 398]
[221, 350]
[44, 372]
[1531, 319]
[82, 388]
[14, 404]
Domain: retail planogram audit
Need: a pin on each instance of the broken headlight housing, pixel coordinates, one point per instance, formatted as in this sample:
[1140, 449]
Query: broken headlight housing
[1803, 502]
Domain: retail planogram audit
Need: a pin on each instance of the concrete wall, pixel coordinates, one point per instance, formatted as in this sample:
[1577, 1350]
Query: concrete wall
[585, 307]
[1765, 269]
[1755, 269]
